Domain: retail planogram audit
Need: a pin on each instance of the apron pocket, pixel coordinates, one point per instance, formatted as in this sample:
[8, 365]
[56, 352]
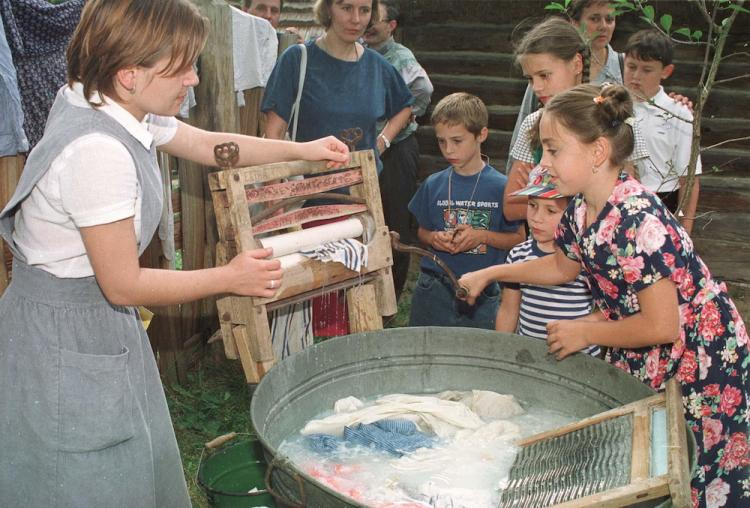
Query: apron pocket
[96, 401]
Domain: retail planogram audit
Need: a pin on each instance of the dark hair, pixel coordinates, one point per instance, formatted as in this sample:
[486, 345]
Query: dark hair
[322, 11]
[576, 7]
[116, 35]
[556, 37]
[591, 112]
[650, 44]
[461, 108]
[391, 10]
[247, 3]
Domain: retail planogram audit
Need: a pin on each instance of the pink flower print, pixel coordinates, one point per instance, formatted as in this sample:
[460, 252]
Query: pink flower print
[712, 390]
[736, 452]
[688, 366]
[704, 362]
[712, 429]
[651, 235]
[678, 346]
[668, 260]
[731, 397]
[687, 316]
[606, 231]
[710, 325]
[580, 217]
[631, 268]
[716, 493]
[684, 282]
[626, 189]
[652, 363]
[606, 286]
[675, 236]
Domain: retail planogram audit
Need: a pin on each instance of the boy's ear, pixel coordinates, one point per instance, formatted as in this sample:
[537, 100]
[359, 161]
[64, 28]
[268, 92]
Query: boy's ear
[667, 71]
[482, 137]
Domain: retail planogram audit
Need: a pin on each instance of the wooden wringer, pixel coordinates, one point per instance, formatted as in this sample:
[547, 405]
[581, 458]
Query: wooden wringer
[276, 187]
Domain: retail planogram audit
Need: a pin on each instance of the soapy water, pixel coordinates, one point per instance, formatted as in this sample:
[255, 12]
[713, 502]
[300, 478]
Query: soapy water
[468, 470]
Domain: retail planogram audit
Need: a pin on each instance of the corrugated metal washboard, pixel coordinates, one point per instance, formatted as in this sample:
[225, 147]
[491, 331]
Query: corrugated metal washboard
[627, 455]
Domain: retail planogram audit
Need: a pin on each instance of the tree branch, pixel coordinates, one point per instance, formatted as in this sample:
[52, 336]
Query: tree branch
[654, 24]
[703, 8]
[738, 53]
[652, 103]
[727, 80]
[746, 138]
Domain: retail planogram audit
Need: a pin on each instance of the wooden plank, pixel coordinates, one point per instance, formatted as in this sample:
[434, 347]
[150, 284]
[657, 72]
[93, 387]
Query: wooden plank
[645, 490]
[248, 312]
[224, 306]
[729, 261]
[306, 215]
[677, 457]
[370, 187]
[242, 338]
[249, 116]
[640, 464]
[305, 187]
[363, 315]
[239, 213]
[279, 170]
[10, 172]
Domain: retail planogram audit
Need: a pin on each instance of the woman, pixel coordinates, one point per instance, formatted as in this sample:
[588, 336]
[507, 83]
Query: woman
[347, 86]
[82, 410]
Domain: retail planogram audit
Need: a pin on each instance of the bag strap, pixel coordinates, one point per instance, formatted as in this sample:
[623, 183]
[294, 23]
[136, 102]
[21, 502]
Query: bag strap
[294, 116]
[621, 61]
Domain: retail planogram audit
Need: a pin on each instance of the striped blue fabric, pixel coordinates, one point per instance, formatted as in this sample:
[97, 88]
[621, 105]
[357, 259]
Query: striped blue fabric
[350, 252]
[396, 437]
[543, 304]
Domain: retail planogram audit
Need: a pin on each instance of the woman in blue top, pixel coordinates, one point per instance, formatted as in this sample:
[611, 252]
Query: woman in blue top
[346, 86]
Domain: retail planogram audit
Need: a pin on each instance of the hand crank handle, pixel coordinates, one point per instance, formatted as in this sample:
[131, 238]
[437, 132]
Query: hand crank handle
[461, 292]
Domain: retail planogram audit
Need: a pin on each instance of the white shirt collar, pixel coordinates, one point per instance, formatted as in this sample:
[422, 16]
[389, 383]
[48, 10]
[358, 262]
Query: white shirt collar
[139, 130]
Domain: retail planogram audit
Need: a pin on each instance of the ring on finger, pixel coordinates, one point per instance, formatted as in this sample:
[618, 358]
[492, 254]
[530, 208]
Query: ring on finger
[273, 284]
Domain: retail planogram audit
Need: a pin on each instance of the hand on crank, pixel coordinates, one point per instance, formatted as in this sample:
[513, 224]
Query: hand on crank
[474, 282]
[328, 148]
[567, 337]
[442, 240]
[253, 274]
[466, 238]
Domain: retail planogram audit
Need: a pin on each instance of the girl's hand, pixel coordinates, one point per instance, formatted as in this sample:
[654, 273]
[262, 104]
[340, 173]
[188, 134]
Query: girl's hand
[442, 240]
[329, 148]
[474, 282]
[466, 238]
[567, 337]
[254, 275]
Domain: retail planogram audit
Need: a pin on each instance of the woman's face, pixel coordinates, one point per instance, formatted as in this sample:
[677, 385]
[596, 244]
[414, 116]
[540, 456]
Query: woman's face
[159, 94]
[349, 18]
[598, 20]
[549, 75]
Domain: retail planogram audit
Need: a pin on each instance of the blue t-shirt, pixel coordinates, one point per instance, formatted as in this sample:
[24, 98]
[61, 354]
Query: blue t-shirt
[337, 95]
[434, 212]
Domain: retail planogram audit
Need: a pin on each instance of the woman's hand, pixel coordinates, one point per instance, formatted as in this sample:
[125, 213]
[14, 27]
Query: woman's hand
[567, 337]
[254, 274]
[329, 148]
[474, 282]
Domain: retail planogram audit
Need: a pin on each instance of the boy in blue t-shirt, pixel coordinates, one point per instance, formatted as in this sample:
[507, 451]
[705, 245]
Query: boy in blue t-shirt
[460, 216]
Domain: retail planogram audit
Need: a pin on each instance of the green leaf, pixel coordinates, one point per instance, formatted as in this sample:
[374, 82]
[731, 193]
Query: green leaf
[697, 35]
[567, 3]
[666, 22]
[649, 12]
[738, 8]
[555, 6]
[683, 31]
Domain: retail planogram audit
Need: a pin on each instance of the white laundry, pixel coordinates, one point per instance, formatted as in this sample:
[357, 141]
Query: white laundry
[349, 252]
[254, 49]
[488, 405]
[347, 405]
[431, 414]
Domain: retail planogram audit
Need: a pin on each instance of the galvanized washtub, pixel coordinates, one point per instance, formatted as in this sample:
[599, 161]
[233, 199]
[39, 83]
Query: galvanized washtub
[420, 360]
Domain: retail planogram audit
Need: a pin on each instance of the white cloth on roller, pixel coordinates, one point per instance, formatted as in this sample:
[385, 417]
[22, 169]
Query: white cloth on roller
[309, 239]
[487, 404]
[431, 414]
[349, 252]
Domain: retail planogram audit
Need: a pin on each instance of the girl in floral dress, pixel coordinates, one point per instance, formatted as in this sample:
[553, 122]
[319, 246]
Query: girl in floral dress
[660, 310]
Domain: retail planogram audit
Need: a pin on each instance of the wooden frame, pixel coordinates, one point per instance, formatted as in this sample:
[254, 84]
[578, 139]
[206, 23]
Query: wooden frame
[643, 487]
[370, 294]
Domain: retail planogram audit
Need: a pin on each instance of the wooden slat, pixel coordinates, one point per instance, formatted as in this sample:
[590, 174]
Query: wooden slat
[239, 213]
[679, 467]
[306, 215]
[279, 170]
[361, 301]
[305, 187]
[242, 338]
[640, 464]
[645, 490]
[10, 172]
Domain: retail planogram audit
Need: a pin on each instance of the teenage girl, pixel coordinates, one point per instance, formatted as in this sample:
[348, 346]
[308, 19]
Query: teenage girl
[660, 310]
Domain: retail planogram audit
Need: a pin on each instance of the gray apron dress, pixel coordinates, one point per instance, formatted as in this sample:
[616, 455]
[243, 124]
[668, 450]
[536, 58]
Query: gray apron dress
[83, 417]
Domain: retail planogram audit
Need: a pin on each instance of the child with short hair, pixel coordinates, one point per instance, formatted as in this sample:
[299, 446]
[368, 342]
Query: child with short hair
[662, 312]
[526, 309]
[459, 211]
[665, 124]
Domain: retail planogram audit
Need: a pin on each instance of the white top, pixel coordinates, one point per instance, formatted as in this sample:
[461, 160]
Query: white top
[668, 140]
[93, 181]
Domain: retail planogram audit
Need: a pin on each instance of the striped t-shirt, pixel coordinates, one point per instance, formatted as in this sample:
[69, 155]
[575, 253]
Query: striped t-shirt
[543, 304]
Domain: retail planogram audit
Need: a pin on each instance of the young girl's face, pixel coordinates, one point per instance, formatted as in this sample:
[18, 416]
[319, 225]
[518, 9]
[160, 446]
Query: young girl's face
[549, 75]
[543, 216]
[158, 93]
[598, 20]
[349, 18]
[568, 161]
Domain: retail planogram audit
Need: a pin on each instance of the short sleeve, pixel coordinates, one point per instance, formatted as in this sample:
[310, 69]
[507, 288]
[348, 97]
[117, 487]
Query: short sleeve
[418, 206]
[640, 151]
[522, 150]
[513, 258]
[645, 249]
[397, 94]
[163, 128]
[565, 235]
[281, 89]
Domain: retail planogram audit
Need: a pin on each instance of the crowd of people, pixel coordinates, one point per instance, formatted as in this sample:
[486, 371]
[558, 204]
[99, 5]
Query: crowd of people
[585, 244]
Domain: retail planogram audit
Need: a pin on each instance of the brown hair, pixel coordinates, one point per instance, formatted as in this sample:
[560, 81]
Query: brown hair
[114, 35]
[591, 112]
[575, 10]
[558, 38]
[461, 108]
[322, 10]
[650, 44]
[247, 3]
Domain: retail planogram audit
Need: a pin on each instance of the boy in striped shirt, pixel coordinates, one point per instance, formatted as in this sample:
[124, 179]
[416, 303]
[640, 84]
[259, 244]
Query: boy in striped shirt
[526, 309]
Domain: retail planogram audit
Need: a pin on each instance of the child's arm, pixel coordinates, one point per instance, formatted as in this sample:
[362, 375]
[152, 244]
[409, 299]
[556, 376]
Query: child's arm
[657, 322]
[551, 270]
[688, 217]
[466, 238]
[507, 314]
[514, 207]
[438, 240]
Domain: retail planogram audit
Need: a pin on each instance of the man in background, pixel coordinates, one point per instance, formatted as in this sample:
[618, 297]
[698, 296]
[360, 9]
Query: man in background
[270, 10]
[400, 155]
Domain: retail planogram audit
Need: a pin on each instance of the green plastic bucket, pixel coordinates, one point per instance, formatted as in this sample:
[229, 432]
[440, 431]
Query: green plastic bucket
[234, 476]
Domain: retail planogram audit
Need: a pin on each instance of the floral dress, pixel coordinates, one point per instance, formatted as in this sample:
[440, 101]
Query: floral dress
[635, 242]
